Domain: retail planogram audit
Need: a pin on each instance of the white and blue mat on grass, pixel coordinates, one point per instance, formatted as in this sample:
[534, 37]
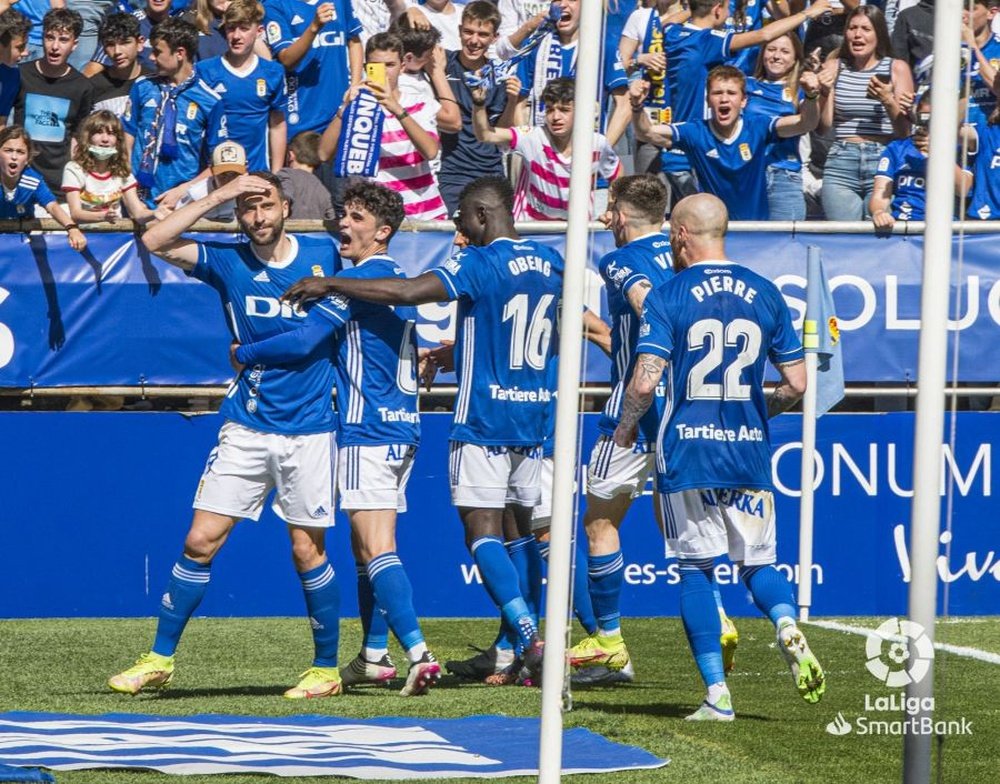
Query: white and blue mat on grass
[386, 748]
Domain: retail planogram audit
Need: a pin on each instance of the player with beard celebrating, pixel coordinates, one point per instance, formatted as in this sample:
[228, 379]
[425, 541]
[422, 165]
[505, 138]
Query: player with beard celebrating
[280, 425]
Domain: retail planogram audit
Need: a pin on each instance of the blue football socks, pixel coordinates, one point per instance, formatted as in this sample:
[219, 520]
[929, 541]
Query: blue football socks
[373, 622]
[394, 594]
[500, 580]
[583, 607]
[771, 591]
[323, 605]
[186, 587]
[527, 562]
[701, 618]
[605, 574]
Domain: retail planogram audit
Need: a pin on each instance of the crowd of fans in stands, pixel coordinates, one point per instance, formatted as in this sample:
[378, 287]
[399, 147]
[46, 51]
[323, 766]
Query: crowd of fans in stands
[785, 109]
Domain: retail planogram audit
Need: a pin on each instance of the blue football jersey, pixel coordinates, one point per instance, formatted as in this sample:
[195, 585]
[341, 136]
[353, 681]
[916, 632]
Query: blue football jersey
[753, 19]
[201, 126]
[293, 399]
[247, 101]
[717, 323]
[376, 363]
[906, 166]
[733, 169]
[981, 98]
[984, 201]
[317, 84]
[20, 202]
[644, 259]
[774, 99]
[691, 53]
[533, 72]
[508, 296]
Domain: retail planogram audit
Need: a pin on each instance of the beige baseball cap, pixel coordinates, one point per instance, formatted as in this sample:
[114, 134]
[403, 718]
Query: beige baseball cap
[229, 157]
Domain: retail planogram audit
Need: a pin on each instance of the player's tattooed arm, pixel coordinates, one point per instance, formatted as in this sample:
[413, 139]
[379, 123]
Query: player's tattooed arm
[637, 295]
[638, 396]
[790, 389]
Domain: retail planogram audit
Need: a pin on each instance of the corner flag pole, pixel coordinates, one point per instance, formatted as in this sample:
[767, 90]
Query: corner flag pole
[589, 47]
[809, 336]
[931, 376]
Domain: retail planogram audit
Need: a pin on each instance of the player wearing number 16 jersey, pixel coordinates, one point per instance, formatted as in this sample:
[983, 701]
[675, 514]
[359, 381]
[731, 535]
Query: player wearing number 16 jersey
[508, 294]
[717, 323]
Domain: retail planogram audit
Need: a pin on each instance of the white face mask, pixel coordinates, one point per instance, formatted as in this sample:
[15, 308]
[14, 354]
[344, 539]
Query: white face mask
[103, 153]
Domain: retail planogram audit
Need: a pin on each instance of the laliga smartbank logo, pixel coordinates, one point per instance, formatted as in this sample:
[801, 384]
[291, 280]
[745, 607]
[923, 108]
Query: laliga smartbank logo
[898, 653]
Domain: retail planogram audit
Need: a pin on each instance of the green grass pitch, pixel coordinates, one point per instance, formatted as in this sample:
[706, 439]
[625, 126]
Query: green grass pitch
[241, 666]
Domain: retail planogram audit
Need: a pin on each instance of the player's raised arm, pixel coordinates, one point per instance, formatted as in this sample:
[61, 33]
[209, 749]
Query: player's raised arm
[164, 237]
[639, 396]
[790, 389]
[383, 291]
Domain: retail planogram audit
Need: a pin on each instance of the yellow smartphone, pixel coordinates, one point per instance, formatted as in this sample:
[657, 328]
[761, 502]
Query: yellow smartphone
[375, 73]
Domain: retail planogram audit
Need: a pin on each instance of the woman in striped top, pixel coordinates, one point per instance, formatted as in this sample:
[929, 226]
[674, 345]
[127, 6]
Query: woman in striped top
[867, 99]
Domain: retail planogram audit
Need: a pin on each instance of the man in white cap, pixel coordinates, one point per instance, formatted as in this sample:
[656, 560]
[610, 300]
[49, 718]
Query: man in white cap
[229, 161]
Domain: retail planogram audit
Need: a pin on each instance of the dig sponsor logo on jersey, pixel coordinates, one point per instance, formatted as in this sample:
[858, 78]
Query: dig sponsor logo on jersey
[271, 307]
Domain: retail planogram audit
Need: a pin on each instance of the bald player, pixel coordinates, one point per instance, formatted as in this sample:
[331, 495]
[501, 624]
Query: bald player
[713, 325]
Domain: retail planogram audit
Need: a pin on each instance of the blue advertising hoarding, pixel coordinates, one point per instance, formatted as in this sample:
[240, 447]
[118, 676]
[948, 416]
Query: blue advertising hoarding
[115, 316]
[103, 500]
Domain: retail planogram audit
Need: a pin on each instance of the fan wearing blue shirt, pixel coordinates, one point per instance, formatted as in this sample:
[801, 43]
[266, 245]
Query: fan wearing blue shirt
[14, 29]
[319, 46]
[252, 89]
[984, 50]
[713, 328]
[729, 151]
[695, 47]
[508, 292]
[555, 57]
[984, 202]
[900, 189]
[279, 432]
[173, 120]
[379, 428]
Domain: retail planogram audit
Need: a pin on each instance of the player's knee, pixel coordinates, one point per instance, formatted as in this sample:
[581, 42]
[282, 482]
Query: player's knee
[200, 547]
[306, 553]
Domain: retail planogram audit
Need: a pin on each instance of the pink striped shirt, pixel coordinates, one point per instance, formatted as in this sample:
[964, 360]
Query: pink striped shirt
[542, 191]
[402, 168]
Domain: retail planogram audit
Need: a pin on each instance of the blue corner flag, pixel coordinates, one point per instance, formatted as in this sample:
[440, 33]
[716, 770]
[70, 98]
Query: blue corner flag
[821, 334]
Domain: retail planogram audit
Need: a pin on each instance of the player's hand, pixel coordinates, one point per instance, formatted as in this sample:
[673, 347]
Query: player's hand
[77, 240]
[625, 436]
[237, 365]
[653, 61]
[169, 198]
[244, 185]
[309, 289]
[883, 219]
[325, 12]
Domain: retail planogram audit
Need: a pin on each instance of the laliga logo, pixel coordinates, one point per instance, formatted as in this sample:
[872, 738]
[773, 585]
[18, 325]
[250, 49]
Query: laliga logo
[907, 657]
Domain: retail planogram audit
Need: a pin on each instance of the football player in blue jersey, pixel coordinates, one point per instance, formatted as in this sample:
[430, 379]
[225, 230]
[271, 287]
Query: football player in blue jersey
[508, 292]
[252, 89]
[717, 324]
[378, 433]
[729, 151]
[280, 428]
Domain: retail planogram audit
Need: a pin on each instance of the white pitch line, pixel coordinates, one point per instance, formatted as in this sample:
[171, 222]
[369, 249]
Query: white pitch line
[957, 650]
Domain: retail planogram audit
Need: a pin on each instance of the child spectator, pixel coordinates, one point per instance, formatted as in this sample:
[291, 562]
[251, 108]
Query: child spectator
[98, 181]
[900, 188]
[424, 74]
[729, 152]
[984, 48]
[252, 89]
[14, 29]
[409, 134]
[542, 191]
[463, 157]
[121, 43]
[148, 16]
[54, 96]
[173, 119]
[24, 188]
[34, 11]
[308, 198]
[773, 91]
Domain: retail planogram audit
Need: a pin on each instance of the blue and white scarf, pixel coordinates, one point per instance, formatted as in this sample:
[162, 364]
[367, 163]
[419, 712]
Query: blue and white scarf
[160, 138]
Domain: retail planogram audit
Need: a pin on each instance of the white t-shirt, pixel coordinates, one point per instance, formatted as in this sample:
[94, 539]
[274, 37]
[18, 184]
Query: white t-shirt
[97, 191]
[513, 14]
[445, 23]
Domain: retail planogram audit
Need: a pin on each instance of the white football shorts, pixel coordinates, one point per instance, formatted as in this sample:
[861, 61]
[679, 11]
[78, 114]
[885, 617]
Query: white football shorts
[614, 470]
[247, 464]
[541, 515]
[709, 523]
[374, 477]
[490, 477]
